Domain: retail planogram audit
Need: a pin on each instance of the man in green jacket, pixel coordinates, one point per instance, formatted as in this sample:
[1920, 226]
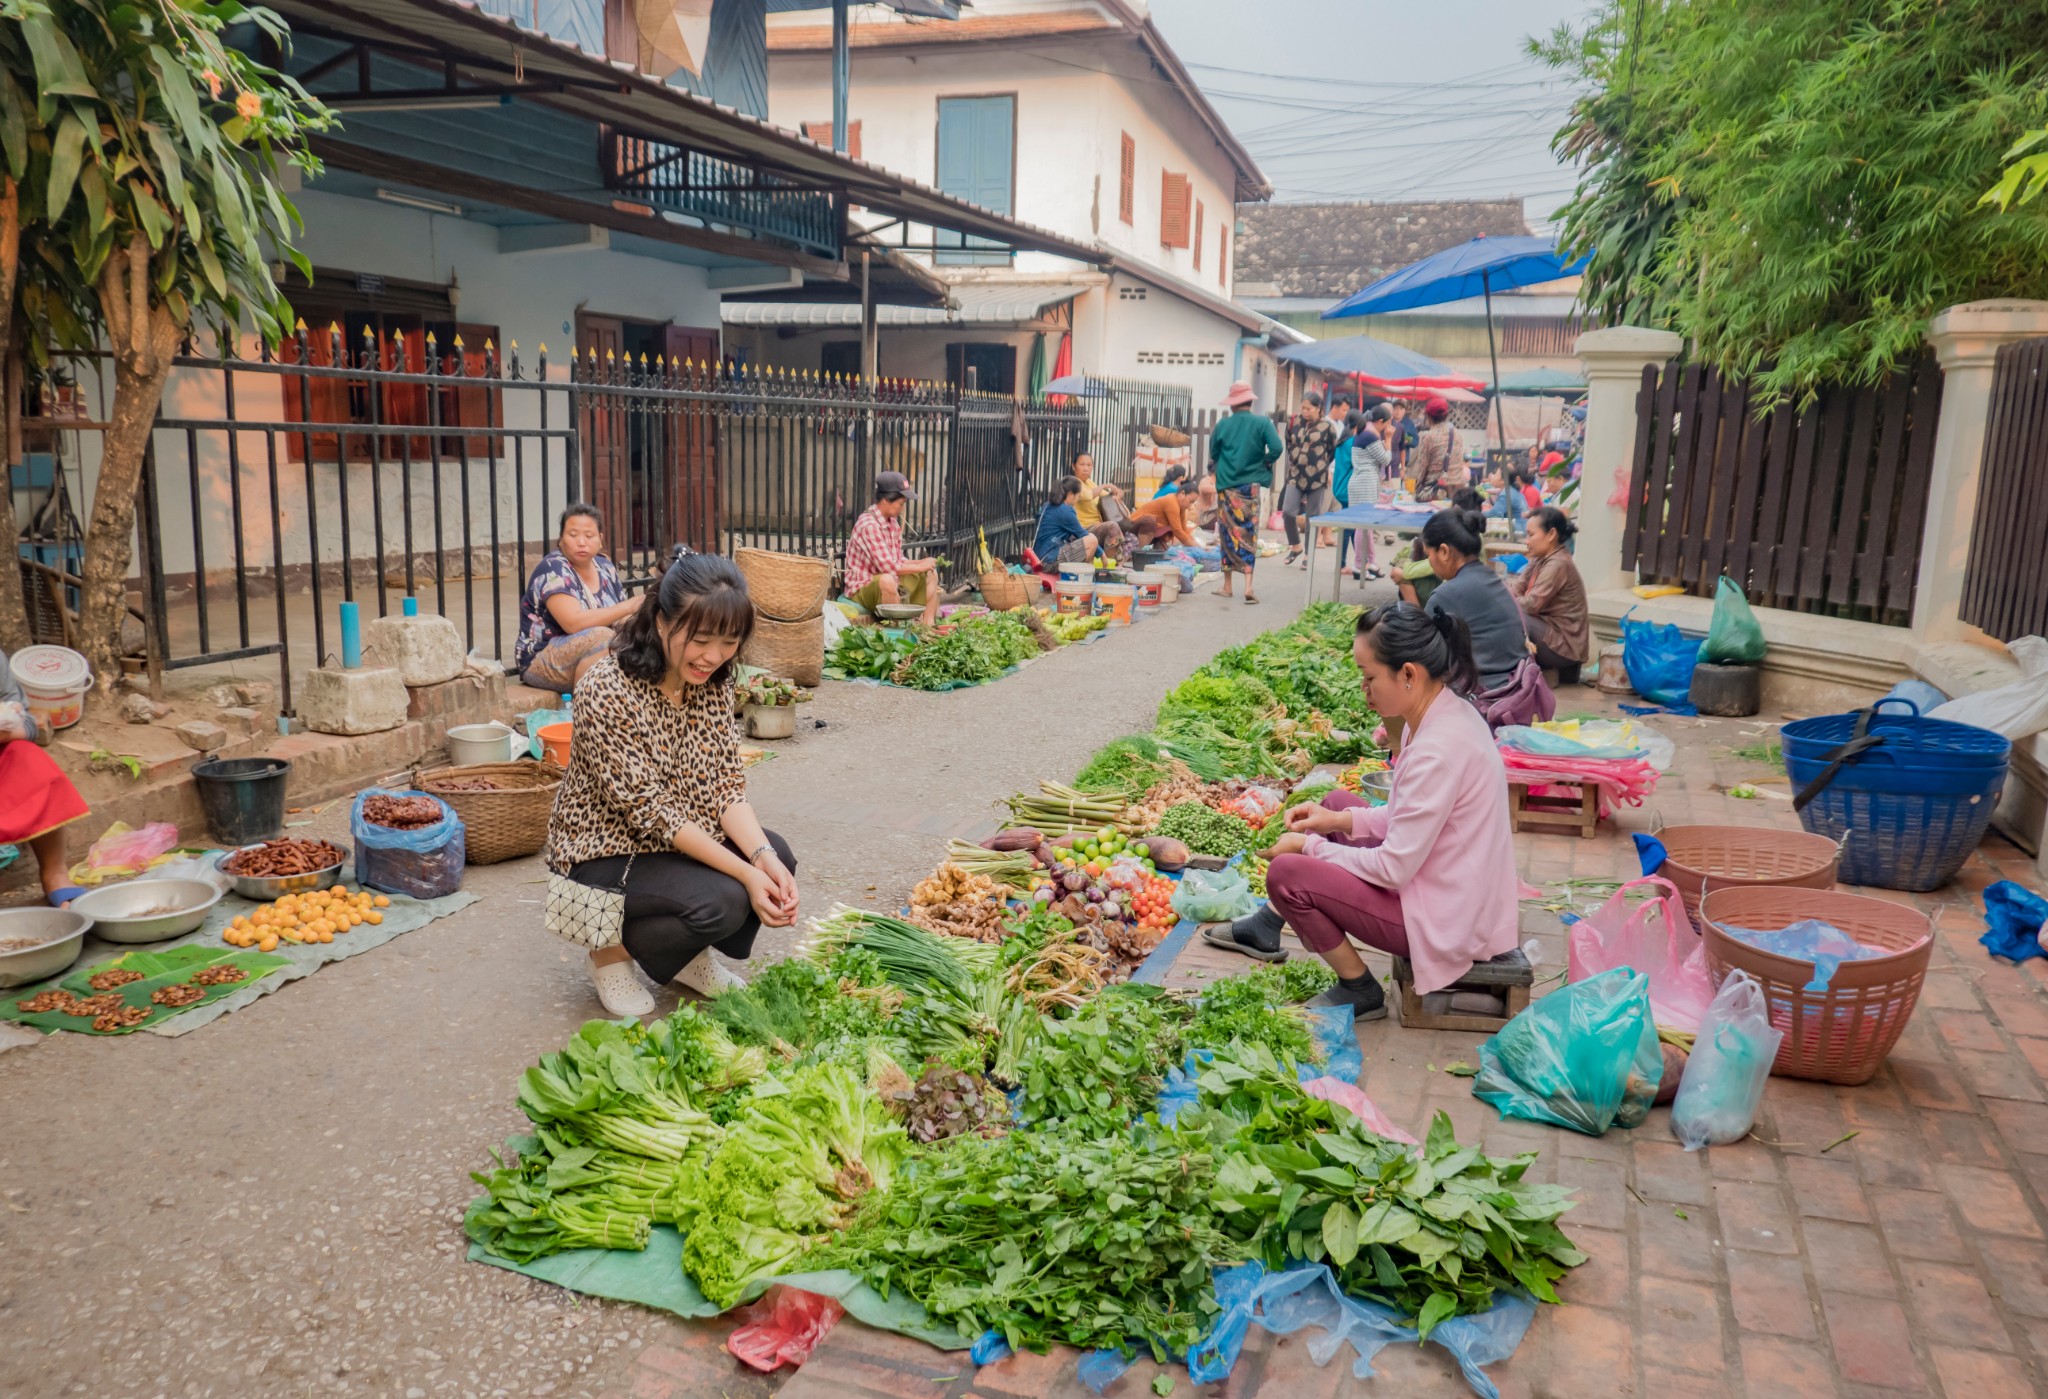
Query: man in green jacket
[1242, 450]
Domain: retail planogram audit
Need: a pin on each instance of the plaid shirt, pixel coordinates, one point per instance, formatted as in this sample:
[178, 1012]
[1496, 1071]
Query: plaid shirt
[874, 547]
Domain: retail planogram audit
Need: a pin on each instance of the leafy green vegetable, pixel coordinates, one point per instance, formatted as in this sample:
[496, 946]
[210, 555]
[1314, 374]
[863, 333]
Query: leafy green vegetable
[1103, 1066]
[871, 653]
[978, 649]
[605, 1087]
[547, 1196]
[1050, 1237]
[1260, 1007]
[1125, 766]
[1207, 831]
[1236, 701]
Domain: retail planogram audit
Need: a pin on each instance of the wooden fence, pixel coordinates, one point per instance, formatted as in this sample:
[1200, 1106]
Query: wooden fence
[1813, 510]
[2005, 586]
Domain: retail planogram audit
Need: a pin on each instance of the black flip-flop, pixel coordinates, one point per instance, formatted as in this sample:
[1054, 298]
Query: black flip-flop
[1219, 935]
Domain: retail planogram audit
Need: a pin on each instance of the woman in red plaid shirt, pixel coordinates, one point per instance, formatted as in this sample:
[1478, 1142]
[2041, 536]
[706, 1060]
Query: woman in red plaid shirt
[876, 571]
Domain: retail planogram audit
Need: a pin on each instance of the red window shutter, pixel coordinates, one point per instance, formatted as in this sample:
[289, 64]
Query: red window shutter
[1127, 182]
[473, 405]
[821, 132]
[1175, 195]
[1196, 245]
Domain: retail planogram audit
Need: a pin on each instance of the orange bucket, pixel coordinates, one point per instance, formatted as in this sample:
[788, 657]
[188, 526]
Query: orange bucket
[1114, 600]
[554, 741]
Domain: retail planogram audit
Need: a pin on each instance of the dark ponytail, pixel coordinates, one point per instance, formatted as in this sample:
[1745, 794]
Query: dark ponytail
[1462, 530]
[702, 595]
[1064, 487]
[1400, 633]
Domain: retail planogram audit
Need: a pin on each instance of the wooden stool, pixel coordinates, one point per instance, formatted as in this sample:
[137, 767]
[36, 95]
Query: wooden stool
[1572, 810]
[1509, 976]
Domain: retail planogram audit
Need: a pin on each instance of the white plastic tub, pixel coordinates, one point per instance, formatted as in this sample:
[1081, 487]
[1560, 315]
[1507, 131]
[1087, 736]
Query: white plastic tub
[54, 680]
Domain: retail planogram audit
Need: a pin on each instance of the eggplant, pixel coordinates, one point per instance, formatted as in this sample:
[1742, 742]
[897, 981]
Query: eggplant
[1073, 881]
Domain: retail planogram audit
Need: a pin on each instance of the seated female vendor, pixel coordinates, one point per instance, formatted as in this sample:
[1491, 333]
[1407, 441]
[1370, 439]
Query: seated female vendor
[1453, 541]
[38, 798]
[1062, 538]
[1552, 596]
[1162, 518]
[1431, 875]
[572, 602]
[655, 799]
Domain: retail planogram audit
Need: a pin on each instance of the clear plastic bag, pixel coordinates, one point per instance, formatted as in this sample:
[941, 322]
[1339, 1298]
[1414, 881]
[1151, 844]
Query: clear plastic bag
[1809, 940]
[422, 864]
[122, 853]
[1254, 804]
[1214, 896]
[1654, 938]
[1731, 1061]
[1583, 1057]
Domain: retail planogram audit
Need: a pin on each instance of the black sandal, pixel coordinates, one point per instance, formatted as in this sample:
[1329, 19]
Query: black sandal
[1220, 935]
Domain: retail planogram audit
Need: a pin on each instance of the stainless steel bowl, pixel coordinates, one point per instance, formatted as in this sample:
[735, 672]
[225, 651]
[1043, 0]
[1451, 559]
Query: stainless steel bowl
[60, 933]
[898, 611]
[264, 888]
[1376, 787]
[148, 910]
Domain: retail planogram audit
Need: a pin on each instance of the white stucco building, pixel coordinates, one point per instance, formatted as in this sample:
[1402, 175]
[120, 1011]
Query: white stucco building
[1069, 115]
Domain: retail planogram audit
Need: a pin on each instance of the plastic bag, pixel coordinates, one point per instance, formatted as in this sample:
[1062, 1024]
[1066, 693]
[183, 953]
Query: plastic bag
[1731, 1061]
[1659, 659]
[1214, 896]
[1583, 1057]
[122, 853]
[2016, 922]
[204, 866]
[1254, 804]
[1809, 940]
[422, 864]
[538, 720]
[1351, 1097]
[783, 1328]
[2015, 710]
[1734, 636]
[1655, 938]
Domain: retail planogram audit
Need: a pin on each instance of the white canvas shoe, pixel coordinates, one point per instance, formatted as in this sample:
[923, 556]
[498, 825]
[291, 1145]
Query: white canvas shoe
[620, 992]
[708, 976]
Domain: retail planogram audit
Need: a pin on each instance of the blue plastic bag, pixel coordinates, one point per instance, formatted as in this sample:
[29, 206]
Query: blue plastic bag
[1659, 659]
[422, 864]
[2013, 915]
[1583, 1057]
[1811, 940]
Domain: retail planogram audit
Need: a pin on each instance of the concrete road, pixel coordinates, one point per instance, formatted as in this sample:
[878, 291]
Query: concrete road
[272, 1205]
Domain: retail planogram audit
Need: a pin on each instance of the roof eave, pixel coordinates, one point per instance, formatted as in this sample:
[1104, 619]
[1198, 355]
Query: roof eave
[1252, 185]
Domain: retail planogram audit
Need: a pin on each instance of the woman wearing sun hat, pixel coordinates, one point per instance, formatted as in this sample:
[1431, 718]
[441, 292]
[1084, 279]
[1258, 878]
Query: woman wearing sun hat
[1439, 470]
[1242, 450]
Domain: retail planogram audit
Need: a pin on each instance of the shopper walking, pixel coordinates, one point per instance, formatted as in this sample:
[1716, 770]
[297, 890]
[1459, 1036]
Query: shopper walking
[1242, 451]
[1311, 449]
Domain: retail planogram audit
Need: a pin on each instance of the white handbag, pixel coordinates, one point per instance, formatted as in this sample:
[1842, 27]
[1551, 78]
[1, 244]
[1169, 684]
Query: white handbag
[585, 914]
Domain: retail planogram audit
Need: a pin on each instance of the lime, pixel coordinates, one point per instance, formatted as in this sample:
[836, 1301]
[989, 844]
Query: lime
[1106, 834]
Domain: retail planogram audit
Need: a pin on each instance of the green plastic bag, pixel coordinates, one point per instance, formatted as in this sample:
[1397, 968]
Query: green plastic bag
[1733, 637]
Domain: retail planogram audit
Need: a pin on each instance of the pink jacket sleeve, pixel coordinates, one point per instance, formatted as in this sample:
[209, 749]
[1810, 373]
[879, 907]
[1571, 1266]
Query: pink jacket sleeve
[1369, 822]
[1410, 824]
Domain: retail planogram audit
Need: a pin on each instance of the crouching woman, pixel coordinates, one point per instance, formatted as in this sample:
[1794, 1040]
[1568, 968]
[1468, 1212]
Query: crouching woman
[1431, 875]
[655, 799]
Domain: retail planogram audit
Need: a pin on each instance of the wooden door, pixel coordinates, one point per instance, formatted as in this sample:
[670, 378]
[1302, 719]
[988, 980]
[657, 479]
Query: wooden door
[693, 480]
[600, 340]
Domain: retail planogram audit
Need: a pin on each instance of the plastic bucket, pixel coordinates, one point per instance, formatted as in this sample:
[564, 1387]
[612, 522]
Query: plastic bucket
[242, 798]
[1073, 599]
[53, 680]
[1169, 586]
[1148, 585]
[554, 741]
[1082, 572]
[471, 745]
[1114, 601]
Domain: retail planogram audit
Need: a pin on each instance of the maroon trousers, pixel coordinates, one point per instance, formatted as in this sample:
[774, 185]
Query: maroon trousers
[1325, 905]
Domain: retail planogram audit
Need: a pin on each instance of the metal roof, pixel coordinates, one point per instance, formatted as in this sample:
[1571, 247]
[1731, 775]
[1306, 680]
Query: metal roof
[483, 48]
[990, 303]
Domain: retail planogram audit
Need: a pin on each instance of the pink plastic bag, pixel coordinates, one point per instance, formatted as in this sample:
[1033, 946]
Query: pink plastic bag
[121, 853]
[1352, 1097]
[783, 1328]
[1654, 938]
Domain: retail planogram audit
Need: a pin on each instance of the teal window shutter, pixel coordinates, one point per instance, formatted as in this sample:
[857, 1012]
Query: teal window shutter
[977, 158]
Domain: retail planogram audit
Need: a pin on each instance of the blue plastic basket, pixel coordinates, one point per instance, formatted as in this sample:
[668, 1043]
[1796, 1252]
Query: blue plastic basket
[1912, 804]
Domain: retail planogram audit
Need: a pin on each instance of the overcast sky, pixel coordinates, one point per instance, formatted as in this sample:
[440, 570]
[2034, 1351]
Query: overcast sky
[1384, 99]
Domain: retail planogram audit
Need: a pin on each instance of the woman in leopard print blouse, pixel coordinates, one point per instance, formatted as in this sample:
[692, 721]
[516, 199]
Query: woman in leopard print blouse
[655, 800]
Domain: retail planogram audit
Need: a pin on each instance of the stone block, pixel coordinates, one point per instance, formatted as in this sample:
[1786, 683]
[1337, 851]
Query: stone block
[423, 650]
[247, 720]
[363, 701]
[467, 699]
[200, 734]
[255, 694]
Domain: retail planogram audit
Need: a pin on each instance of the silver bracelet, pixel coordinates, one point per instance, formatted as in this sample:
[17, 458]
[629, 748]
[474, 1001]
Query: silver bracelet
[763, 849]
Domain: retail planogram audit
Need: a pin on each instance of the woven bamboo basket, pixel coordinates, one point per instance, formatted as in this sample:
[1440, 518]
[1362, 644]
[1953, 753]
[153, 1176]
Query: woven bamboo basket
[1004, 592]
[505, 824]
[794, 650]
[1840, 1035]
[1724, 857]
[1164, 436]
[785, 587]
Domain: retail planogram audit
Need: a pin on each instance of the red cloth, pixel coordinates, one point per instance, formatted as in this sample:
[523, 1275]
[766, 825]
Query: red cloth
[35, 795]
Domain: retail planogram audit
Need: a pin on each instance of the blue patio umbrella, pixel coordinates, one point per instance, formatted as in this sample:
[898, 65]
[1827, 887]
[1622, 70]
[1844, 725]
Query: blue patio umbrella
[1078, 386]
[1477, 268]
[1377, 361]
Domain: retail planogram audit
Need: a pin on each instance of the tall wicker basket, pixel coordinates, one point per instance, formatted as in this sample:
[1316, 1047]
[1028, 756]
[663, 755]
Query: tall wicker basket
[784, 587]
[794, 650]
[507, 823]
[1005, 592]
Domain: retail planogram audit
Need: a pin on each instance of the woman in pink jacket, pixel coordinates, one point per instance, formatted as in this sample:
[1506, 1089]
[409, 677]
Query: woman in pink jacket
[1431, 875]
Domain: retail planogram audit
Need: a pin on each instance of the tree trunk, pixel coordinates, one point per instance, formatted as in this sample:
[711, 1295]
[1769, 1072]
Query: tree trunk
[14, 632]
[144, 338]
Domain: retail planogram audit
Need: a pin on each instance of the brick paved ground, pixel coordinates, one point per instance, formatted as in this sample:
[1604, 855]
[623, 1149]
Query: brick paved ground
[1909, 1259]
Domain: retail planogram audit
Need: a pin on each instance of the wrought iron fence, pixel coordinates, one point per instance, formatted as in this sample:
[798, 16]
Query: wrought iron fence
[1111, 445]
[278, 486]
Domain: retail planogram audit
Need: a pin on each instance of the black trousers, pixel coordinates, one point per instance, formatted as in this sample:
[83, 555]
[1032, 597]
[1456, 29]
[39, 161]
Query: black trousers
[677, 907]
